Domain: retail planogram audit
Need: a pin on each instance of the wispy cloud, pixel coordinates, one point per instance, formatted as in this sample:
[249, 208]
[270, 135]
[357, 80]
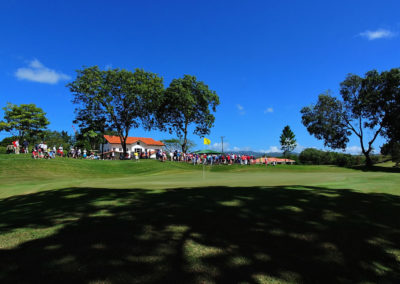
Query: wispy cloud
[354, 150]
[299, 148]
[218, 146]
[377, 34]
[240, 109]
[235, 149]
[227, 147]
[272, 149]
[268, 110]
[37, 72]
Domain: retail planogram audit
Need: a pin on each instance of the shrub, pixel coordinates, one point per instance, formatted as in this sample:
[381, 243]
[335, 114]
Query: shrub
[311, 156]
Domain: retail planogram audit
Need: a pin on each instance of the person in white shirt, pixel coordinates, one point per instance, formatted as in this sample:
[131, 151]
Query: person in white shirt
[44, 147]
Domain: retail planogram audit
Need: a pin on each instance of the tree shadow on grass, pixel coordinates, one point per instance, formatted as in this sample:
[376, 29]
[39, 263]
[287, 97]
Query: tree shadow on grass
[377, 169]
[201, 235]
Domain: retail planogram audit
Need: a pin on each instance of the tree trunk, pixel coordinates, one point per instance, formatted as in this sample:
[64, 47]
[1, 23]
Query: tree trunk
[368, 160]
[123, 144]
[124, 148]
[184, 144]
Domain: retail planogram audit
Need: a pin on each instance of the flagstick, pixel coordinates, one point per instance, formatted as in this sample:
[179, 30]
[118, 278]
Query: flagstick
[204, 147]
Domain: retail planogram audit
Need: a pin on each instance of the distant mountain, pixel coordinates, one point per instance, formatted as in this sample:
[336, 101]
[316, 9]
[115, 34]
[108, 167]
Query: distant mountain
[257, 154]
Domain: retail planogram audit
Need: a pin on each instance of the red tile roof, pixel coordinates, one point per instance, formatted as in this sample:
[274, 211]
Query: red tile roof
[278, 160]
[131, 140]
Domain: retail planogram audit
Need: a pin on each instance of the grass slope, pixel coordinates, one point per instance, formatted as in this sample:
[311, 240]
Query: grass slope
[74, 221]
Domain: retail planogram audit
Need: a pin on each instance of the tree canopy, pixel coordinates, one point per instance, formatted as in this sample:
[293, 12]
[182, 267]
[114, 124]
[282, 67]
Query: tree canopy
[116, 99]
[390, 102]
[188, 102]
[365, 107]
[24, 121]
[287, 140]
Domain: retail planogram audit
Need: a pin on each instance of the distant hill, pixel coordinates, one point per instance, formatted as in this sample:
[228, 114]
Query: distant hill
[257, 154]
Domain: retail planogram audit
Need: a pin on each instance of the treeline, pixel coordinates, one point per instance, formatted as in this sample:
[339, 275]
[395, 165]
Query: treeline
[311, 156]
[57, 138]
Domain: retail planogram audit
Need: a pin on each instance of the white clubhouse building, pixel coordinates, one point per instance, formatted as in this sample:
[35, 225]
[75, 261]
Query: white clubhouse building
[133, 144]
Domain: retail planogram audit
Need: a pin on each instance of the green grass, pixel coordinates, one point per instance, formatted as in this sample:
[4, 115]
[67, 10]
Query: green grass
[74, 221]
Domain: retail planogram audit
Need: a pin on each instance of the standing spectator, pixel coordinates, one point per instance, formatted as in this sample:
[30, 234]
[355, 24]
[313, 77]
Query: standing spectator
[61, 150]
[16, 146]
[26, 144]
[44, 147]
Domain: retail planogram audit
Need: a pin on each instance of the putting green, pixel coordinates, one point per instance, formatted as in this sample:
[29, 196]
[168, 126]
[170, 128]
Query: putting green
[79, 221]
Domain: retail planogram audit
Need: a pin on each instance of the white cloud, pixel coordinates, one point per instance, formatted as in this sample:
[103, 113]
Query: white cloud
[272, 149]
[240, 109]
[235, 149]
[37, 72]
[377, 34]
[268, 110]
[218, 146]
[299, 148]
[355, 150]
[227, 147]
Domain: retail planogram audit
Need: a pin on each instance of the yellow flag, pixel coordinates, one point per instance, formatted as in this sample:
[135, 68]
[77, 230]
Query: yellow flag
[207, 141]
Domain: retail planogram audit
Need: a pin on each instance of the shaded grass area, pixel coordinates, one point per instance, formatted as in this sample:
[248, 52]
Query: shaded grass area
[280, 234]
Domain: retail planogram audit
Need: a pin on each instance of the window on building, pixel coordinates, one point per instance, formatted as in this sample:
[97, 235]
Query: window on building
[138, 143]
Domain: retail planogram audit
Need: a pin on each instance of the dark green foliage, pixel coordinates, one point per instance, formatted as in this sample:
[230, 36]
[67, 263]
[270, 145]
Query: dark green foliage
[188, 102]
[368, 104]
[287, 140]
[392, 149]
[24, 121]
[311, 156]
[8, 141]
[117, 100]
[52, 138]
[55, 138]
[325, 121]
[390, 102]
[290, 156]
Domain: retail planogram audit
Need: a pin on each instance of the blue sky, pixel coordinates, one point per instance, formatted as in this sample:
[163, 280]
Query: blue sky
[265, 59]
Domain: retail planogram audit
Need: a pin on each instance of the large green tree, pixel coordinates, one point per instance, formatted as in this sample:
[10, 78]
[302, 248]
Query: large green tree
[24, 121]
[390, 102]
[362, 111]
[287, 140]
[56, 138]
[92, 126]
[392, 149]
[188, 102]
[119, 98]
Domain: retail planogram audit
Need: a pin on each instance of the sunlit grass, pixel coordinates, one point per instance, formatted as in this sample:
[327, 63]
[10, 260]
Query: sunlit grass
[152, 222]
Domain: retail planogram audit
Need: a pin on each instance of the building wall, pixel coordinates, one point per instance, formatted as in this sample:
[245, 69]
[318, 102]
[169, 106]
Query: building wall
[131, 148]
